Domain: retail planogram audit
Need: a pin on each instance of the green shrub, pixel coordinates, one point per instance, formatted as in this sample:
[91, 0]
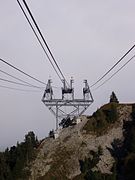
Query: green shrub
[102, 119]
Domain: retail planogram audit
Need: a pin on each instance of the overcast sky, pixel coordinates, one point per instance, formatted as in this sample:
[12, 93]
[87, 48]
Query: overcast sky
[86, 37]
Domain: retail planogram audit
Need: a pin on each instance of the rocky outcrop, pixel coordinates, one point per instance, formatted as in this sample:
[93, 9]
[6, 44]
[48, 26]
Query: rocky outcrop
[60, 157]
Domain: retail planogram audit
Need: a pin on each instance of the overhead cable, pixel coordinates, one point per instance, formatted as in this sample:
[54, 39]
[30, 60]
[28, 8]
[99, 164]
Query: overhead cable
[17, 89]
[114, 66]
[36, 25]
[115, 73]
[31, 85]
[37, 37]
[14, 82]
[2, 60]
[42, 37]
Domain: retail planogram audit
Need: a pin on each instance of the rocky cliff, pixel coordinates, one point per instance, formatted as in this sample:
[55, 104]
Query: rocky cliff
[61, 158]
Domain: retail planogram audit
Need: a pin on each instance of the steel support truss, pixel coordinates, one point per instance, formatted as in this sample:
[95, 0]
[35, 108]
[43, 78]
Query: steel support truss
[65, 108]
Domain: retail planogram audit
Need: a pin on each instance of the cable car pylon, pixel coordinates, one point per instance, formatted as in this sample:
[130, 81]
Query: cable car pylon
[74, 107]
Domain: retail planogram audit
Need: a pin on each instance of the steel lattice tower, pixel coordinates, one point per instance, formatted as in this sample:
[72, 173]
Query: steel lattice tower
[76, 107]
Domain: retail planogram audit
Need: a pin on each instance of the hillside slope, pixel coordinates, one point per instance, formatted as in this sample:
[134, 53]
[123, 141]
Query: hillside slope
[63, 158]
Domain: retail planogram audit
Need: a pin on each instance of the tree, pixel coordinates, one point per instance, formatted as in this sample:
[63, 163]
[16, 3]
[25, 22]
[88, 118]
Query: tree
[14, 161]
[113, 98]
[30, 143]
[66, 122]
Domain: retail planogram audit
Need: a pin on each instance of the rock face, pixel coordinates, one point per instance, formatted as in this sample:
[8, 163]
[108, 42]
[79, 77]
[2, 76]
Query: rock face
[60, 157]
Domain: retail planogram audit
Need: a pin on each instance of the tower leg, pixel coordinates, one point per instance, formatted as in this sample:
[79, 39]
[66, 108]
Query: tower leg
[57, 125]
